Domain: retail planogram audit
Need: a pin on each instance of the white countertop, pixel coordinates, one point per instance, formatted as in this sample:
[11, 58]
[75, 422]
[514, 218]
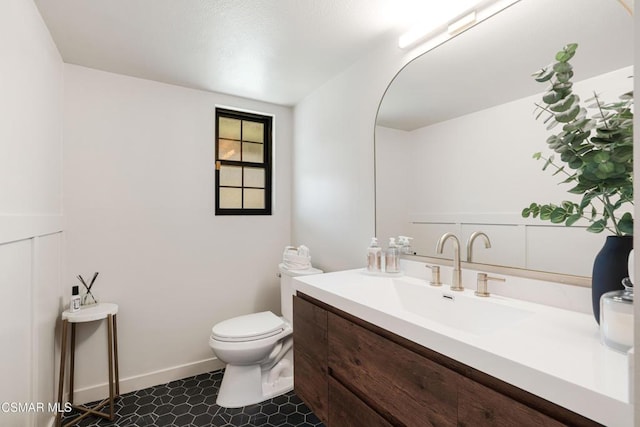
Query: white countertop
[553, 353]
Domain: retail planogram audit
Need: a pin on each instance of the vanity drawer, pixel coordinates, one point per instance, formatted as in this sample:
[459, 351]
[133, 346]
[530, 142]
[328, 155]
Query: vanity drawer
[310, 356]
[404, 387]
[480, 406]
[346, 410]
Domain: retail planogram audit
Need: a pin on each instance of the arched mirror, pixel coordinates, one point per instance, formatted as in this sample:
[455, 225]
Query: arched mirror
[456, 132]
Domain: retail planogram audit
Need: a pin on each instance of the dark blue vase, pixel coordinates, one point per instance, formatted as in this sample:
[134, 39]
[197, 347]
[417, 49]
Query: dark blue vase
[610, 266]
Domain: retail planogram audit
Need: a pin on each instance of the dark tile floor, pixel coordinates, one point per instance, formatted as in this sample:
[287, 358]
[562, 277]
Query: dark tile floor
[191, 402]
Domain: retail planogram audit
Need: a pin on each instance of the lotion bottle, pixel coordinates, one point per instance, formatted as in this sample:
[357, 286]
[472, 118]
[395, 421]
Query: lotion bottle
[74, 303]
[392, 257]
[374, 256]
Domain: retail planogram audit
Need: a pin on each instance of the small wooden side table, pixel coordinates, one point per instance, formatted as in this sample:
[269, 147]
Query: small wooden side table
[91, 313]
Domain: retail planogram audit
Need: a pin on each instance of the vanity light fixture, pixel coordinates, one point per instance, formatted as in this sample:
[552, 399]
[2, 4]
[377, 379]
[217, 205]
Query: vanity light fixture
[462, 23]
[436, 34]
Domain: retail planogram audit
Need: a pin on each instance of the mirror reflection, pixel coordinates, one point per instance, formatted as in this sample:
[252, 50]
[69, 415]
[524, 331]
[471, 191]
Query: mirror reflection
[456, 132]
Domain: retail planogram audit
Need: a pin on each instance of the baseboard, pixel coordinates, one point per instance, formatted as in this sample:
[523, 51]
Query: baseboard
[150, 379]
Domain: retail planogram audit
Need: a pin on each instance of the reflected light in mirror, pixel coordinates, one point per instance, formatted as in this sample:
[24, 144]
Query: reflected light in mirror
[436, 30]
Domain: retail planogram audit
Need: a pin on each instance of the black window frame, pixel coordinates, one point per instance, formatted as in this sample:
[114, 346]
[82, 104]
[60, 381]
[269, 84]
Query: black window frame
[267, 163]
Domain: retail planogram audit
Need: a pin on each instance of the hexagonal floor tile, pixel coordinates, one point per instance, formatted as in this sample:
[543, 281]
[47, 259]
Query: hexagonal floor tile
[191, 402]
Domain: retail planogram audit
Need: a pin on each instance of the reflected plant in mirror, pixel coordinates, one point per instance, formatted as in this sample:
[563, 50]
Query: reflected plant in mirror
[455, 133]
[596, 152]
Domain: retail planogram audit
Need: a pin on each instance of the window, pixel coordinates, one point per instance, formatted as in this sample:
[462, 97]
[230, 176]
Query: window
[243, 163]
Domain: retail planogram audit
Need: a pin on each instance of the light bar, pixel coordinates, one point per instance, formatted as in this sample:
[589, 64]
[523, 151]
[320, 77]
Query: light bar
[462, 23]
[437, 33]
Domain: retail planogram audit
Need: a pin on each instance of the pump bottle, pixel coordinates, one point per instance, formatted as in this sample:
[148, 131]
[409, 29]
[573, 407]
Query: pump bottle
[392, 257]
[374, 256]
[74, 303]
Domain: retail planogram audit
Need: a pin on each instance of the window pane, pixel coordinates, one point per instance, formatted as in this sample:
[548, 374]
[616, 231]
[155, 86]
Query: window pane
[252, 152]
[253, 199]
[231, 176]
[230, 198]
[252, 131]
[254, 177]
[229, 128]
[228, 150]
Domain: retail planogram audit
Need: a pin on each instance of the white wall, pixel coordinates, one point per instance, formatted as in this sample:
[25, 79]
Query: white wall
[333, 175]
[31, 79]
[139, 205]
[478, 168]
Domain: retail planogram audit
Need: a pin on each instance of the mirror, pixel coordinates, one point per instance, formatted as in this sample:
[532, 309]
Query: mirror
[456, 132]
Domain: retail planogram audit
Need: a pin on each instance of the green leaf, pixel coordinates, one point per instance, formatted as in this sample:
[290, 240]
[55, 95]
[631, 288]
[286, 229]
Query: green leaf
[572, 219]
[586, 199]
[601, 157]
[564, 104]
[567, 116]
[558, 215]
[562, 67]
[625, 225]
[544, 74]
[597, 226]
[567, 52]
[579, 189]
[552, 97]
[545, 212]
[526, 212]
[564, 77]
[607, 168]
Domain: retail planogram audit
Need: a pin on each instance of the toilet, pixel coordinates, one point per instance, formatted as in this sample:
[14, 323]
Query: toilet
[258, 350]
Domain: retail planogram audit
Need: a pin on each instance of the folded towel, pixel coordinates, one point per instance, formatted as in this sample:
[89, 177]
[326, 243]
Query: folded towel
[296, 258]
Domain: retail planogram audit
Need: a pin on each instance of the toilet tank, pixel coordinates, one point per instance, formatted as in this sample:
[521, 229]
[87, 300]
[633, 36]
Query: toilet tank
[286, 288]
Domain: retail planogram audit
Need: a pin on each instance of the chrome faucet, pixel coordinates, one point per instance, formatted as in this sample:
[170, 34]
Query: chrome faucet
[472, 238]
[456, 281]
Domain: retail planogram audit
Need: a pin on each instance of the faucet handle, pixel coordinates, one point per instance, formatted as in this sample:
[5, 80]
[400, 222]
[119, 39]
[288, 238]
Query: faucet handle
[435, 275]
[483, 279]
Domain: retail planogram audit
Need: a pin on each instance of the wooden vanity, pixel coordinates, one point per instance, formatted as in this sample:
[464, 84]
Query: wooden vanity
[353, 373]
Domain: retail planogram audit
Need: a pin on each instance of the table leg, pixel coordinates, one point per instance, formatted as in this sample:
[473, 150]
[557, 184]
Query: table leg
[72, 362]
[63, 356]
[115, 353]
[111, 386]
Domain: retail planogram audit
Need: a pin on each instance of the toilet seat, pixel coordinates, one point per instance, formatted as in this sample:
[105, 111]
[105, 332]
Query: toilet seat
[250, 327]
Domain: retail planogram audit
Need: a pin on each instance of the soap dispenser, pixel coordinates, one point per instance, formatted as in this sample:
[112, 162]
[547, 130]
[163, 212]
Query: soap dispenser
[392, 257]
[374, 256]
[74, 302]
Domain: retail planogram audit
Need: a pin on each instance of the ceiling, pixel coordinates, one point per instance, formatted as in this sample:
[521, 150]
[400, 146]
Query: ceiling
[492, 63]
[270, 50]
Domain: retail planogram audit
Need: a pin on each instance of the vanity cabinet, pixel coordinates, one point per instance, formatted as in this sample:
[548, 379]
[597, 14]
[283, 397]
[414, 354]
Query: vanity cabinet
[353, 373]
[310, 356]
[347, 410]
[480, 405]
[402, 385]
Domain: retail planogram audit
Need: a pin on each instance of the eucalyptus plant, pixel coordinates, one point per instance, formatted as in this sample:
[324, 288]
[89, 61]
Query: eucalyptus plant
[595, 146]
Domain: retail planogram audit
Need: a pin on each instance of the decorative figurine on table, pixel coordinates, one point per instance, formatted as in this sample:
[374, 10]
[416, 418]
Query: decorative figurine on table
[88, 298]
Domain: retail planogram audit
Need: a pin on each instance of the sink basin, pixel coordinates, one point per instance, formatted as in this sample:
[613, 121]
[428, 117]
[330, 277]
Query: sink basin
[459, 310]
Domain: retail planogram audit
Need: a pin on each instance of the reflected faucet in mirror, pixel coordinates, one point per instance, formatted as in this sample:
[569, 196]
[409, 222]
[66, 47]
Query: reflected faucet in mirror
[472, 238]
[456, 280]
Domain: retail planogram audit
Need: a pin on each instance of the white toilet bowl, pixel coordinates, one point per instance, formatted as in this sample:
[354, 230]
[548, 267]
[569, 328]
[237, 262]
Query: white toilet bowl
[258, 350]
[255, 348]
